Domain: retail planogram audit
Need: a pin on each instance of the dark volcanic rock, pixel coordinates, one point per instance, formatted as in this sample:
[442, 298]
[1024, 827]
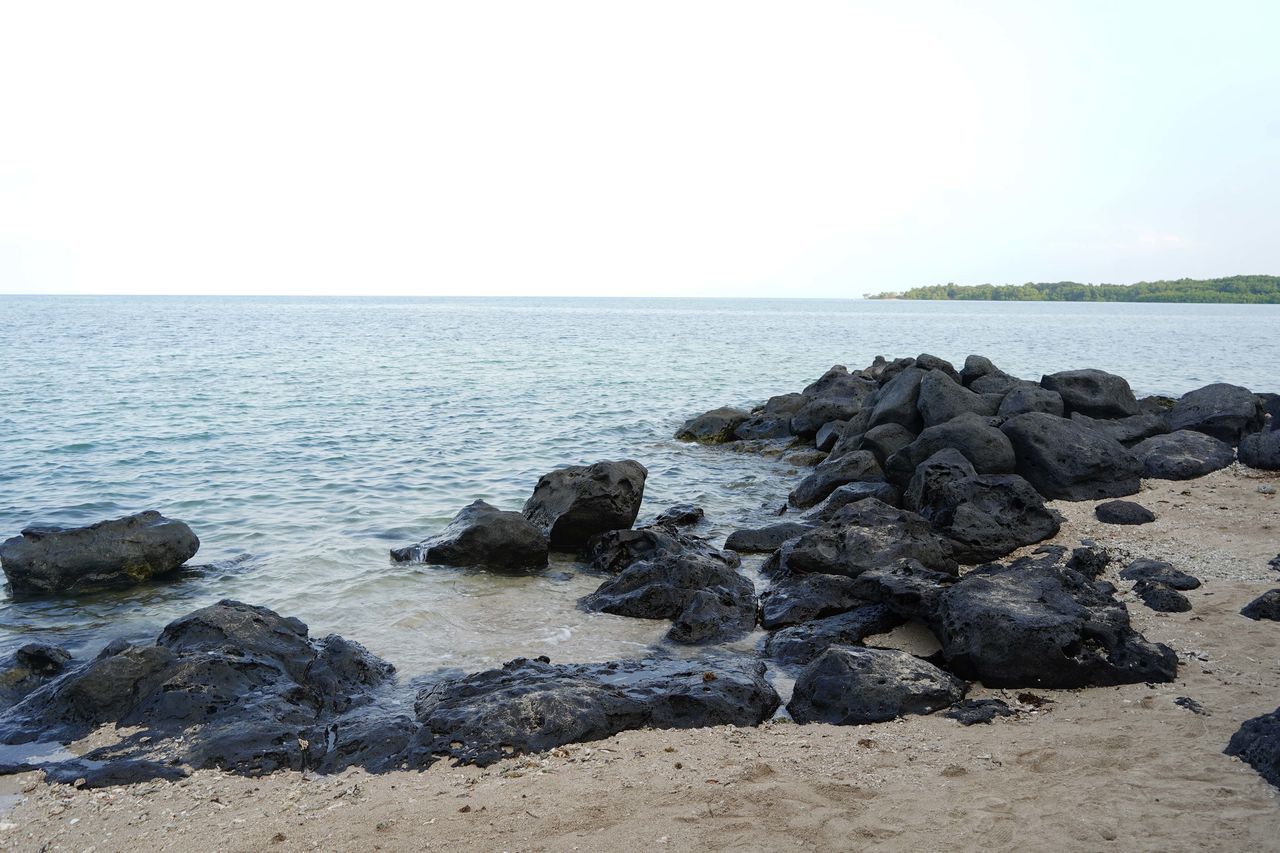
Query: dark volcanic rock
[707, 601]
[1261, 450]
[1257, 743]
[762, 427]
[972, 711]
[31, 666]
[1064, 459]
[828, 476]
[1160, 597]
[798, 644]
[482, 535]
[764, 539]
[828, 435]
[976, 366]
[925, 361]
[792, 599]
[986, 447]
[121, 552]
[1128, 431]
[1265, 606]
[885, 440]
[1031, 398]
[573, 504]
[1035, 622]
[865, 535]
[714, 427]
[906, 587]
[896, 402]
[852, 493]
[533, 705]
[1095, 393]
[1159, 571]
[784, 404]
[1182, 455]
[680, 515]
[615, 550]
[852, 686]
[999, 383]
[942, 398]
[1223, 411]
[1123, 512]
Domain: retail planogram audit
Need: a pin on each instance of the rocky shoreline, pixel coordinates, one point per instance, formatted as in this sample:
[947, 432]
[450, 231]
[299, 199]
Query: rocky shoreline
[925, 508]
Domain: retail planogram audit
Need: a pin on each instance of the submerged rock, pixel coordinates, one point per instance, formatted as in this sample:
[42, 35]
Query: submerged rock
[1182, 455]
[482, 535]
[1123, 512]
[121, 552]
[1066, 460]
[573, 504]
[31, 666]
[1257, 743]
[852, 686]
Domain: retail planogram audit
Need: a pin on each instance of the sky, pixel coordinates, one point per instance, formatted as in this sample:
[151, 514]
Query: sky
[815, 149]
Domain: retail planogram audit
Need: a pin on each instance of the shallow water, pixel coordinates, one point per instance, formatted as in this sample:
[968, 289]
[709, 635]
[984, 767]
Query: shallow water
[302, 438]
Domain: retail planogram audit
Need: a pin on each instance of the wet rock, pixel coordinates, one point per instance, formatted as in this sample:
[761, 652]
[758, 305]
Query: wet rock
[897, 400]
[573, 504]
[1160, 597]
[482, 535]
[829, 434]
[852, 493]
[765, 539]
[798, 644]
[1031, 398]
[1261, 450]
[680, 515]
[973, 711]
[1065, 460]
[707, 601]
[942, 398]
[617, 549]
[906, 587]
[1095, 393]
[1223, 411]
[122, 552]
[885, 440]
[762, 428]
[1128, 431]
[31, 666]
[1265, 606]
[804, 457]
[1159, 571]
[714, 427]
[533, 705]
[1182, 455]
[853, 686]
[792, 599]
[865, 535]
[829, 475]
[986, 448]
[1257, 743]
[1123, 512]
[1035, 622]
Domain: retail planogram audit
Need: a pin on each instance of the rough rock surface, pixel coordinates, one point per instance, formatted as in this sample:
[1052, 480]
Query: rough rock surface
[973, 711]
[1095, 393]
[865, 535]
[1123, 512]
[1265, 606]
[1032, 398]
[1261, 450]
[1161, 597]
[897, 401]
[852, 493]
[714, 427]
[482, 535]
[1182, 455]
[973, 436]
[1065, 460]
[1128, 431]
[906, 587]
[680, 515]
[942, 398]
[858, 466]
[573, 504]
[120, 552]
[885, 440]
[615, 550]
[765, 539]
[1223, 411]
[829, 434]
[792, 599]
[1257, 743]
[853, 686]
[1160, 571]
[796, 645]
[760, 428]
[31, 666]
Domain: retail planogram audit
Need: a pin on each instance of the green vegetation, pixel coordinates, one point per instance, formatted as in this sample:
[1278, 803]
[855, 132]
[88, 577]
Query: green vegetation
[1236, 288]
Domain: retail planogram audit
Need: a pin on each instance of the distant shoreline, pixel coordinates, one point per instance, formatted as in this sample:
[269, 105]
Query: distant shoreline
[1238, 289]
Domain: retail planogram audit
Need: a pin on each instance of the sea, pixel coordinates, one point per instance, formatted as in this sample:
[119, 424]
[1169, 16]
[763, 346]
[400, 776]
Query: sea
[302, 438]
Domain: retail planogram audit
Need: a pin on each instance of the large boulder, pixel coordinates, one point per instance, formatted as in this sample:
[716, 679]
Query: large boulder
[1182, 455]
[828, 476]
[762, 427]
[1038, 623]
[906, 587]
[615, 550]
[1128, 431]
[1223, 411]
[885, 440]
[942, 398]
[1261, 450]
[866, 535]
[853, 686]
[976, 366]
[1095, 393]
[482, 535]
[765, 539]
[792, 599]
[836, 396]
[985, 446]
[828, 435]
[573, 504]
[1066, 460]
[121, 552]
[798, 644]
[1257, 743]
[707, 601]
[714, 427]
[897, 399]
[534, 705]
[852, 493]
[1030, 398]
[925, 361]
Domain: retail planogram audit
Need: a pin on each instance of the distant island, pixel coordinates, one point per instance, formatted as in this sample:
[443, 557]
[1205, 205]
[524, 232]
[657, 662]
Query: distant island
[1236, 288]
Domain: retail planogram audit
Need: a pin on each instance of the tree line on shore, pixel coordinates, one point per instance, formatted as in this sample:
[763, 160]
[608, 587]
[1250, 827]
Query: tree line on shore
[1236, 288]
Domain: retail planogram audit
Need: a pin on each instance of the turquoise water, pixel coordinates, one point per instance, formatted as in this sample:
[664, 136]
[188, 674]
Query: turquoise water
[302, 438]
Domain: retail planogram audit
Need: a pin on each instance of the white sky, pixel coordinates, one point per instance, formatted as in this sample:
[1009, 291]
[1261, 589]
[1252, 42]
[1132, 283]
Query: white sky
[534, 148]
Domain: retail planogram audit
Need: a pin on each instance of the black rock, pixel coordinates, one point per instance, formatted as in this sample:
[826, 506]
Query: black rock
[573, 504]
[988, 516]
[792, 599]
[680, 515]
[796, 645]
[837, 382]
[1191, 705]
[821, 411]
[1265, 606]
[985, 446]
[1160, 597]
[1182, 455]
[829, 434]
[1128, 431]
[1261, 450]
[1031, 398]
[852, 686]
[482, 535]
[859, 466]
[707, 601]
[1223, 411]
[942, 398]
[999, 383]
[784, 404]
[906, 587]
[976, 366]
[31, 666]
[1063, 459]
[1160, 572]
[1123, 512]
[972, 711]
[1035, 622]
[852, 493]
[714, 427]
[925, 361]
[885, 440]
[121, 552]
[762, 427]
[865, 535]
[884, 372]
[896, 402]
[617, 549]
[533, 705]
[1095, 393]
[1090, 561]
[765, 539]
[1257, 743]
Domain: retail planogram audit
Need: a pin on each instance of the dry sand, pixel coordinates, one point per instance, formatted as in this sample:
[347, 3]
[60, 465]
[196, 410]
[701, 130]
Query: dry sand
[1101, 769]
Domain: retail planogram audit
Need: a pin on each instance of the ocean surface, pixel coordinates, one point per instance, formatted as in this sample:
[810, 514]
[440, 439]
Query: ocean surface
[303, 438]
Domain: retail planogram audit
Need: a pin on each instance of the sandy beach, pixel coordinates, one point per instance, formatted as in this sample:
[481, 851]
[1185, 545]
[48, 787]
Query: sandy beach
[1104, 768]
